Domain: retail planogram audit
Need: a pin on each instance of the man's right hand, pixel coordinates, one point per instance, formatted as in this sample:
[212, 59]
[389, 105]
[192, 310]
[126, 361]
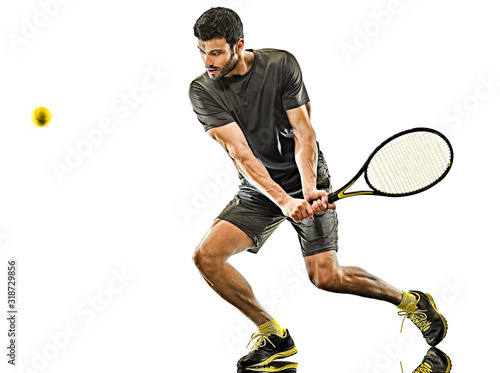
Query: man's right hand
[297, 209]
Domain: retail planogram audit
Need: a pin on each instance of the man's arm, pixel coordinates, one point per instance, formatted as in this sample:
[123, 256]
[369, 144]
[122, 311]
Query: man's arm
[306, 156]
[232, 139]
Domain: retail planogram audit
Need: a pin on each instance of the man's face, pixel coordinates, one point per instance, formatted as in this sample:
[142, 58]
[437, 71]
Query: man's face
[218, 57]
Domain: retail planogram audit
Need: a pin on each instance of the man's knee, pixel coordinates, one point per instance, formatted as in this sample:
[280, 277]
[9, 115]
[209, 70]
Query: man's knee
[209, 259]
[324, 271]
[198, 258]
[212, 252]
[327, 278]
[202, 260]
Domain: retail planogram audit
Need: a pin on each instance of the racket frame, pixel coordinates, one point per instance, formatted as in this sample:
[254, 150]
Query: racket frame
[339, 194]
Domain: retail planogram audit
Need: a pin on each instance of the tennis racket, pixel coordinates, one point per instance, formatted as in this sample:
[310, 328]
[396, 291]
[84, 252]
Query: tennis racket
[407, 163]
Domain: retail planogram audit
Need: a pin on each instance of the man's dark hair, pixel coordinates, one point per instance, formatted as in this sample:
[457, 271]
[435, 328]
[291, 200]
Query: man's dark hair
[219, 23]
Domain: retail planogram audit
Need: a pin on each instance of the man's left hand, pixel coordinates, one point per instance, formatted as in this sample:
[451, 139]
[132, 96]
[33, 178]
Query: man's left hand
[319, 199]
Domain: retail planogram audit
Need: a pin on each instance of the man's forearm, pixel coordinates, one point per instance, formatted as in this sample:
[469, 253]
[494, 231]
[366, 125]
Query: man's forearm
[255, 172]
[306, 157]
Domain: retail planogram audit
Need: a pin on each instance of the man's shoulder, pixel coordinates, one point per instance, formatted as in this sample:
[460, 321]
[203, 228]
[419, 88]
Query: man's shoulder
[201, 85]
[272, 54]
[200, 80]
[282, 59]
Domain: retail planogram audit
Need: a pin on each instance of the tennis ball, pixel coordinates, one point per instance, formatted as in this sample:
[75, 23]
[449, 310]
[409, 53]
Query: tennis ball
[41, 116]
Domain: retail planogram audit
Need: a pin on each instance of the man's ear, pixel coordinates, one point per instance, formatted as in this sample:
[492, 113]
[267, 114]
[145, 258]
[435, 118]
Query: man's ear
[239, 46]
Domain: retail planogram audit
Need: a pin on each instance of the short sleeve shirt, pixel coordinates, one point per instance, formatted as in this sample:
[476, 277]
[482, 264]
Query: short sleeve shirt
[257, 102]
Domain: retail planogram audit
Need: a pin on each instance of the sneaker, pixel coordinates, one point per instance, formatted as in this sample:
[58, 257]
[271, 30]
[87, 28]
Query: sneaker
[275, 366]
[267, 348]
[426, 317]
[435, 361]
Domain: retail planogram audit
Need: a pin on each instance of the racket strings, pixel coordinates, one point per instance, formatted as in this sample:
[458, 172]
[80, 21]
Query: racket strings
[403, 158]
[409, 163]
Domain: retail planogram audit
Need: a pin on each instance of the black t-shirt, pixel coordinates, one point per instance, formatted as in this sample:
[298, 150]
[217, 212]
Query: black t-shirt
[257, 102]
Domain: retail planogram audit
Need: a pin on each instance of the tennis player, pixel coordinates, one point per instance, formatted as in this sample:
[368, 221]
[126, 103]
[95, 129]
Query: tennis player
[255, 105]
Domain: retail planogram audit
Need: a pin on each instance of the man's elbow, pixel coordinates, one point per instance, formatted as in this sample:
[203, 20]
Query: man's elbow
[306, 134]
[239, 156]
[238, 152]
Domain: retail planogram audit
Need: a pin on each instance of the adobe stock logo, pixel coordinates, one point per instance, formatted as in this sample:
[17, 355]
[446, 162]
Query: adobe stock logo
[122, 106]
[230, 3]
[461, 111]
[60, 340]
[203, 195]
[2, 237]
[363, 36]
[32, 26]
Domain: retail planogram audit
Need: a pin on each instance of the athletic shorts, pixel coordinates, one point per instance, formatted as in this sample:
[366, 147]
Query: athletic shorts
[258, 217]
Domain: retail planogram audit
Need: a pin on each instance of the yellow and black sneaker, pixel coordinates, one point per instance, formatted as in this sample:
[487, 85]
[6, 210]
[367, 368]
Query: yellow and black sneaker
[267, 348]
[426, 317]
[275, 366]
[436, 361]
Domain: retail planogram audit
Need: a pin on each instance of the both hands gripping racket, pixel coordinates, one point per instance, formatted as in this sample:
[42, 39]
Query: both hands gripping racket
[407, 163]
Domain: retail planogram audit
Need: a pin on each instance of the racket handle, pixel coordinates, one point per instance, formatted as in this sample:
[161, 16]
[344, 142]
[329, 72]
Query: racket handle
[332, 197]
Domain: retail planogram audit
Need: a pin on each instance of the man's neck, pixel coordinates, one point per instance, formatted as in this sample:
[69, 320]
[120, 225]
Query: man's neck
[245, 63]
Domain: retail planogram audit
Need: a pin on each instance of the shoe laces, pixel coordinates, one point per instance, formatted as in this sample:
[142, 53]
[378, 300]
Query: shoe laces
[261, 341]
[422, 368]
[418, 317]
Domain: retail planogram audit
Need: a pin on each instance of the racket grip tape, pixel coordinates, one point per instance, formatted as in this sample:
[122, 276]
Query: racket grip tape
[332, 197]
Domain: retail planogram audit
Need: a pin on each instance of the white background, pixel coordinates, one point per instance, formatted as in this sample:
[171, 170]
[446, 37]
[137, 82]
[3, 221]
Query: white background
[140, 199]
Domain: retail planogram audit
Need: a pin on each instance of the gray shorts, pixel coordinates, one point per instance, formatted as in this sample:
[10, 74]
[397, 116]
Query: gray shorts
[258, 217]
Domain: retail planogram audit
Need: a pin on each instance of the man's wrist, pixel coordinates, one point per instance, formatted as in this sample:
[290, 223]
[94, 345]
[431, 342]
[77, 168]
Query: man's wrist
[281, 198]
[307, 190]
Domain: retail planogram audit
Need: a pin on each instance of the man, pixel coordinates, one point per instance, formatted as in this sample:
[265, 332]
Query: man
[255, 105]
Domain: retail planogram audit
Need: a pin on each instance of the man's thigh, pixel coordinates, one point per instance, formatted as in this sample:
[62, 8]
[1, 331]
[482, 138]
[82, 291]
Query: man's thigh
[325, 261]
[224, 239]
[318, 235]
[256, 216]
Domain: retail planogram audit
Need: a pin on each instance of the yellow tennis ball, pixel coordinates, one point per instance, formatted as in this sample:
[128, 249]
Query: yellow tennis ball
[41, 116]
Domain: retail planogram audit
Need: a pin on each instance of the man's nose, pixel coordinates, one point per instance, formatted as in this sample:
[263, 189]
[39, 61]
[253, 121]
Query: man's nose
[208, 60]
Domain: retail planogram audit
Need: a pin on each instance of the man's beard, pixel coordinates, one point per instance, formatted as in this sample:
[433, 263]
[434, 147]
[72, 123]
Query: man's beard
[226, 69]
